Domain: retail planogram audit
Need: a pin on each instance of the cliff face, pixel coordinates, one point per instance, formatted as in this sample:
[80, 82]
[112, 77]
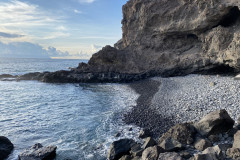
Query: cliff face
[174, 37]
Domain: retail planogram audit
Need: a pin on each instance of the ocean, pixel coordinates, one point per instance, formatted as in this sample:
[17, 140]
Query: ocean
[80, 119]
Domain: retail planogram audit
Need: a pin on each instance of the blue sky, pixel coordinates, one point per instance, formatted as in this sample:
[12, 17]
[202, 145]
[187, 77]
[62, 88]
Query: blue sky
[58, 28]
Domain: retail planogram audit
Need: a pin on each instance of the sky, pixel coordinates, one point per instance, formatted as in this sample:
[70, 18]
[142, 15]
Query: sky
[58, 28]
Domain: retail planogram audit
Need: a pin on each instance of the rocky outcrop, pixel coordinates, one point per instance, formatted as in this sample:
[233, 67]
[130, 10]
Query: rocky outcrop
[184, 141]
[6, 147]
[166, 38]
[38, 152]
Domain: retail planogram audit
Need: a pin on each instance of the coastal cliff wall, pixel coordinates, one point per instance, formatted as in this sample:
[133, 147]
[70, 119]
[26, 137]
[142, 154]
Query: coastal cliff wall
[174, 37]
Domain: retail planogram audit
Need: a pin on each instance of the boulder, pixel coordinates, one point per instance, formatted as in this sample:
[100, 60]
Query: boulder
[170, 156]
[149, 142]
[120, 148]
[6, 147]
[151, 153]
[171, 144]
[38, 152]
[126, 157]
[136, 150]
[236, 142]
[216, 150]
[233, 153]
[184, 133]
[214, 123]
[144, 133]
[205, 157]
[201, 144]
[185, 154]
[213, 138]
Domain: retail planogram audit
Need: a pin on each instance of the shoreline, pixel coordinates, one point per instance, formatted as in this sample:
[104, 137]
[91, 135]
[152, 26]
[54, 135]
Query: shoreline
[143, 115]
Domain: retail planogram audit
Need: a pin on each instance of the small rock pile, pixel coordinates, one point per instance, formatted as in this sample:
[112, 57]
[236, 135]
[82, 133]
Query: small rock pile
[214, 137]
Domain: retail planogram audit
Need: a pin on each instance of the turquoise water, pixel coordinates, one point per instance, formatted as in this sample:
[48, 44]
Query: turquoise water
[80, 119]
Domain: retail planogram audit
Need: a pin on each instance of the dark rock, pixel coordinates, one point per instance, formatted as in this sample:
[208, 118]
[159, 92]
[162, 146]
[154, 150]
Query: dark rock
[205, 157]
[216, 150]
[214, 123]
[149, 142]
[201, 144]
[232, 131]
[38, 152]
[119, 148]
[184, 133]
[126, 157]
[6, 147]
[136, 150]
[185, 154]
[233, 153]
[236, 143]
[170, 156]
[213, 138]
[171, 144]
[144, 133]
[151, 153]
[118, 134]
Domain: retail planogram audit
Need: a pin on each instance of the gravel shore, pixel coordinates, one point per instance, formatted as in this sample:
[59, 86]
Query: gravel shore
[167, 101]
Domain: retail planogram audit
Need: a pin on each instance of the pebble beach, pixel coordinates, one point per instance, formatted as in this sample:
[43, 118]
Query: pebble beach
[165, 102]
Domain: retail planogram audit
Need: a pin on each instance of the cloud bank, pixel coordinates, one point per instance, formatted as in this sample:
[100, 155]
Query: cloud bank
[29, 50]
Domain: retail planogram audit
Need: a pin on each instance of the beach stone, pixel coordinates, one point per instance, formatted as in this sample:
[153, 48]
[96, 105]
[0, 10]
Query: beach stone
[118, 134]
[205, 157]
[136, 158]
[214, 123]
[213, 138]
[151, 153]
[212, 84]
[38, 152]
[149, 142]
[119, 148]
[126, 157]
[215, 150]
[184, 133]
[170, 156]
[6, 147]
[236, 142]
[144, 133]
[171, 144]
[136, 150]
[185, 154]
[233, 153]
[201, 144]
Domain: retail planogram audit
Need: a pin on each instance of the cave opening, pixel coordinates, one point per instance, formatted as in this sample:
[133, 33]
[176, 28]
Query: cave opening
[231, 18]
[224, 70]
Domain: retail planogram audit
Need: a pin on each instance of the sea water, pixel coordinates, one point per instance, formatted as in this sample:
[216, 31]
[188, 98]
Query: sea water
[80, 119]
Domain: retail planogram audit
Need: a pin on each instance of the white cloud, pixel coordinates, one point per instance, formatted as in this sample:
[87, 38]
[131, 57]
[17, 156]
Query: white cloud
[56, 35]
[77, 11]
[86, 1]
[29, 50]
[20, 14]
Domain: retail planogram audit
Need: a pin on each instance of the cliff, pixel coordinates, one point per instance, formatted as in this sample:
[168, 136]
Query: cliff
[172, 37]
[166, 38]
